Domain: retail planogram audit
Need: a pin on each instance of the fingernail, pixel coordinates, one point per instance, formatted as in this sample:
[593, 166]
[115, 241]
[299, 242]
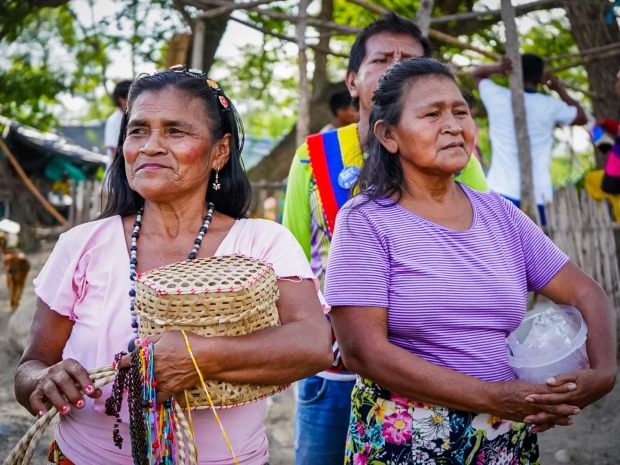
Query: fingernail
[551, 381]
[89, 388]
[64, 408]
[529, 399]
[41, 413]
[79, 404]
[577, 411]
[529, 422]
[572, 386]
[570, 422]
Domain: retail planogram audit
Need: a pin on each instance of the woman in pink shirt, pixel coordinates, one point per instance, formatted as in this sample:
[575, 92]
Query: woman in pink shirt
[178, 174]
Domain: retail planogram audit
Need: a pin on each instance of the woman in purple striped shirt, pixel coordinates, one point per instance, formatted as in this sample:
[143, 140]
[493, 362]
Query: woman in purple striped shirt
[426, 278]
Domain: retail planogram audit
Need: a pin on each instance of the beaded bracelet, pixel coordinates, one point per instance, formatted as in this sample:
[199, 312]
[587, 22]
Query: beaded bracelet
[204, 387]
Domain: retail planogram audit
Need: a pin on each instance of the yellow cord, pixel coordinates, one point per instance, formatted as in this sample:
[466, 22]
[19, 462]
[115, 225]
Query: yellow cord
[204, 386]
[191, 420]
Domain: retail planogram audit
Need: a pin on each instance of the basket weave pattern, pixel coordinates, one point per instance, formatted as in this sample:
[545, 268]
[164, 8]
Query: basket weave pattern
[231, 295]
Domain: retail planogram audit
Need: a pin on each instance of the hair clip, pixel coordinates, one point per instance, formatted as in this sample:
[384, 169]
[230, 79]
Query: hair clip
[219, 93]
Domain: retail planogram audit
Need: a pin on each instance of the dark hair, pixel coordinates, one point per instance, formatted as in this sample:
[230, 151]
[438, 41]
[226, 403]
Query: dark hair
[234, 196]
[382, 173]
[121, 91]
[339, 100]
[389, 23]
[533, 67]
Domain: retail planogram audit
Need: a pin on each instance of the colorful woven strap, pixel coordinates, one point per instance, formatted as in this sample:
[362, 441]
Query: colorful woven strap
[330, 153]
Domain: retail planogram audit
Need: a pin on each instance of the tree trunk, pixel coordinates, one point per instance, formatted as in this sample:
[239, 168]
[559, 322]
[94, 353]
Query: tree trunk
[214, 29]
[303, 112]
[590, 29]
[528, 203]
[275, 166]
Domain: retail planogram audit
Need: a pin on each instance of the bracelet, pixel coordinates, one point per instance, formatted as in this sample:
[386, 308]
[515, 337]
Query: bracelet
[204, 387]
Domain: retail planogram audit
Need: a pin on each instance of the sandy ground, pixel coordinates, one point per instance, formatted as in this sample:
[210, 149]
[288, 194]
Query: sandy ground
[594, 439]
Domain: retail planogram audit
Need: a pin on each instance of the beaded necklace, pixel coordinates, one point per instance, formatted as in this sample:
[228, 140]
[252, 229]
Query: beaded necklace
[133, 262]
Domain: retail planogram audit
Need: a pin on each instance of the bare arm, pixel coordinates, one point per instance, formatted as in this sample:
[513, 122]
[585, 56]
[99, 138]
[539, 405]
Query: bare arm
[501, 68]
[362, 338]
[554, 83]
[301, 347]
[42, 374]
[573, 287]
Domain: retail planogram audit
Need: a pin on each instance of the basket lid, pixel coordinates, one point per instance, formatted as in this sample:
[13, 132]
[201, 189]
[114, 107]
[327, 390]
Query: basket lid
[228, 273]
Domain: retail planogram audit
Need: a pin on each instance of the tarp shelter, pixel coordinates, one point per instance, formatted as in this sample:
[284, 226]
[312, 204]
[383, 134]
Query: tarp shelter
[43, 154]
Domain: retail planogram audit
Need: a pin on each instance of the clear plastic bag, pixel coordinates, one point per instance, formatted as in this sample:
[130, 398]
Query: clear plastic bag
[549, 341]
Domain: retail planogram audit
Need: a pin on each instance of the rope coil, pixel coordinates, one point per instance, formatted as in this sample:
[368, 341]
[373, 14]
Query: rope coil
[24, 450]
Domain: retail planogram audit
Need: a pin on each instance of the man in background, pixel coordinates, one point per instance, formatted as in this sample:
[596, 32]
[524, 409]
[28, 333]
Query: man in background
[113, 124]
[542, 112]
[341, 106]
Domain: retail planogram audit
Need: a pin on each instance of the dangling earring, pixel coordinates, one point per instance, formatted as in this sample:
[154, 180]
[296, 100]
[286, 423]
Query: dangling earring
[216, 184]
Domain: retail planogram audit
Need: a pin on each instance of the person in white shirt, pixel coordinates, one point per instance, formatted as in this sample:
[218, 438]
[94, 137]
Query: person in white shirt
[113, 123]
[543, 113]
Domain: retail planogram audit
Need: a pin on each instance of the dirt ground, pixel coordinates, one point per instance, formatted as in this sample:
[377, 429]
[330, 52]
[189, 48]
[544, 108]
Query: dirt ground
[594, 439]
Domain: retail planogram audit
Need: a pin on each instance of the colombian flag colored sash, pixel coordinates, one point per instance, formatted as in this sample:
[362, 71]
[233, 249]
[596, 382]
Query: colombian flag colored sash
[334, 154]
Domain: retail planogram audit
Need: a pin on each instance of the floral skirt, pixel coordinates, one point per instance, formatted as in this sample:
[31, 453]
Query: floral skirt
[56, 457]
[390, 430]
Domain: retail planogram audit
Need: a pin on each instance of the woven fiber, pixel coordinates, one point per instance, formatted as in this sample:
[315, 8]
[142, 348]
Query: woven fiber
[231, 295]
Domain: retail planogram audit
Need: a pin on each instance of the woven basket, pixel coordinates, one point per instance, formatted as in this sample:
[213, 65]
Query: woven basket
[231, 295]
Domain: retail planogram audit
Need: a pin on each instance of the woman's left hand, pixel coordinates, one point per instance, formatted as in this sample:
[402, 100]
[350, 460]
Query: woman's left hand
[591, 386]
[174, 369]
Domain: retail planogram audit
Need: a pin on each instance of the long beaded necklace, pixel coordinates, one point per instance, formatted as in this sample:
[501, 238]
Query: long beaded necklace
[133, 262]
[152, 432]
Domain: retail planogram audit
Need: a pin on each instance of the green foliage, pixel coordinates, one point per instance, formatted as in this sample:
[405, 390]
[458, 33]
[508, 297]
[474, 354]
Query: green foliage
[47, 51]
[29, 85]
[264, 95]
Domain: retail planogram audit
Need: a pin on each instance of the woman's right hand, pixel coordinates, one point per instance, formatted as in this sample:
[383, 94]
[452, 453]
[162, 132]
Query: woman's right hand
[508, 401]
[60, 384]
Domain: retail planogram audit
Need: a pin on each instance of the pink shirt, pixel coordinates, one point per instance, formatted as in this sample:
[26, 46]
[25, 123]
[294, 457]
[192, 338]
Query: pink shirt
[87, 278]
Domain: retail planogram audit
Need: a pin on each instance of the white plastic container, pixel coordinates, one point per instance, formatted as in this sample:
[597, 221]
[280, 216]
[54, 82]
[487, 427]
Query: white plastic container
[549, 341]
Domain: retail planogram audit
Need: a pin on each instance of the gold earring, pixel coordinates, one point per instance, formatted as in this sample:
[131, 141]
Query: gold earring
[216, 184]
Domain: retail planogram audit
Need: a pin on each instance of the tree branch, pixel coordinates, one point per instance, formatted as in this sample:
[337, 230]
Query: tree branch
[519, 11]
[223, 9]
[370, 6]
[180, 7]
[591, 51]
[285, 37]
[448, 39]
[584, 60]
[315, 22]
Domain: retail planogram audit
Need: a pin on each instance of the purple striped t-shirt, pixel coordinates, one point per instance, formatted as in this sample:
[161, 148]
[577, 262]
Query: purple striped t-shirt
[452, 296]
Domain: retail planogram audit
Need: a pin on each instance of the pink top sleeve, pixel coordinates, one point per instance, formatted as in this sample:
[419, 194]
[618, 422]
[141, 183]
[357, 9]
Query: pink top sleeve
[61, 283]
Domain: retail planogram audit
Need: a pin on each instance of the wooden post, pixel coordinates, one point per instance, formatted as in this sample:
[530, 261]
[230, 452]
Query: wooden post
[423, 16]
[303, 116]
[198, 43]
[528, 202]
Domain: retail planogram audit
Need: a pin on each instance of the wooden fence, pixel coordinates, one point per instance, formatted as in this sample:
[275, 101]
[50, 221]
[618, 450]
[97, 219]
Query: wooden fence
[86, 205]
[584, 230]
[267, 200]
